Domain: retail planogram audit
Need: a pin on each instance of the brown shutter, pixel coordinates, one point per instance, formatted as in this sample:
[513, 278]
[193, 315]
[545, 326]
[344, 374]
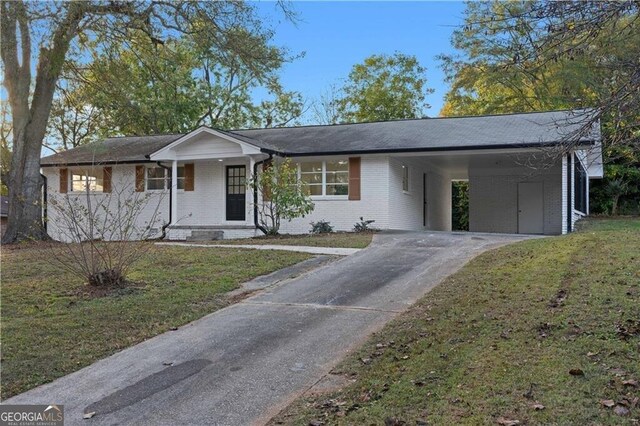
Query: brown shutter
[189, 177]
[139, 178]
[266, 190]
[64, 181]
[354, 178]
[106, 179]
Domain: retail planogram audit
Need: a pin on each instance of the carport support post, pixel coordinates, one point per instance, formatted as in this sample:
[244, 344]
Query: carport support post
[174, 187]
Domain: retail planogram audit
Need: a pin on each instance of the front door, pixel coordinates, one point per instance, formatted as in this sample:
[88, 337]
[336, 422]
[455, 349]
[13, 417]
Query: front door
[530, 208]
[236, 192]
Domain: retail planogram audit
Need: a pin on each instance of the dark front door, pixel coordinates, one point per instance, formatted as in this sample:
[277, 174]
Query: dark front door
[236, 192]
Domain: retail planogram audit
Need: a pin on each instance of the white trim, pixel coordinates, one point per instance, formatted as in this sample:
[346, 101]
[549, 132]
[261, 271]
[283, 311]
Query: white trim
[168, 152]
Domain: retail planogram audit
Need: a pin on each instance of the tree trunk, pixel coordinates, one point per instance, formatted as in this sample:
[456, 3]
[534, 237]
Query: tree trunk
[614, 206]
[25, 193]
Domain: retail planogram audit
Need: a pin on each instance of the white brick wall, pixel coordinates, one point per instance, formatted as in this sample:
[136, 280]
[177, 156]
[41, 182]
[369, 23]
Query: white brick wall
[122, 177]
[406, 209]
[343, 214]
[493, 197]
[206, 204]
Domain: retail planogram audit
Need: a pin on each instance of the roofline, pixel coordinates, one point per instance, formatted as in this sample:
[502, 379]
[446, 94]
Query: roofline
[414, 119]
[93, 163]
[367, 151]
[430, 149]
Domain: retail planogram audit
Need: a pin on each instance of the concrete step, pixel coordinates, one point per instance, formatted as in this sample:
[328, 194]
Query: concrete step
[208, 235]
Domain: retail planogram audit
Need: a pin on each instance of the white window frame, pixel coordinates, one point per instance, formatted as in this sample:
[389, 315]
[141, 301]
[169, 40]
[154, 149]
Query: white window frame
[405, 179]
[324, 195]
[166, 179]
[71, 173]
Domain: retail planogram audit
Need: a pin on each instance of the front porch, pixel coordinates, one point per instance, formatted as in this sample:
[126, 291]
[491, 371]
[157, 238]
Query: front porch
[218, 202]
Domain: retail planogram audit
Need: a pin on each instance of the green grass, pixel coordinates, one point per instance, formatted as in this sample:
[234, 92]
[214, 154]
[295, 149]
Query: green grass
[502, 335]
[50, 327]
[336, 239]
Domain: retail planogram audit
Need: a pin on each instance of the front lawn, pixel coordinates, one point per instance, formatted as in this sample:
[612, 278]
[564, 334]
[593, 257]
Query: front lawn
[51, 327]
[545, 331]
[335, 239]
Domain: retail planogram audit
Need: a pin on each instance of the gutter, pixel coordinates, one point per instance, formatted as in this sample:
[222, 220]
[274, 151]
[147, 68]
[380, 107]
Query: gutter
[425, 149]
[255, 194]
[166, 225]
[569, 190]
[44, 202]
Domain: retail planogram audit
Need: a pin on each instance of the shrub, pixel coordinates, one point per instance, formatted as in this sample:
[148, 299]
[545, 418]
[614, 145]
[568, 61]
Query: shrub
[281, 195]
[103, 235]
[321, 227]
[363, 225]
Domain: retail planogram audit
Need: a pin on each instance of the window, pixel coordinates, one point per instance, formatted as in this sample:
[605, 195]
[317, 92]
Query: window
[580, 186]
[326, 178]
[405, 178]
[87, 179]
[156, 178]
[159, 178]
[337, 173]
[180, 177]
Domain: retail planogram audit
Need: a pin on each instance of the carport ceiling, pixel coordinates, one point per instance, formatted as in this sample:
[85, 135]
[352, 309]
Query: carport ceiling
[457, 165]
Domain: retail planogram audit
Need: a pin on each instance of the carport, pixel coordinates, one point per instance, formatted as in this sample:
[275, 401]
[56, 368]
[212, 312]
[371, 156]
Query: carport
[510, 191]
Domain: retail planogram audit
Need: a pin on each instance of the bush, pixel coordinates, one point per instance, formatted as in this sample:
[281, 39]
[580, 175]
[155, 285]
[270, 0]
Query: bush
[281, 195]
[321, 227]
[363, 225]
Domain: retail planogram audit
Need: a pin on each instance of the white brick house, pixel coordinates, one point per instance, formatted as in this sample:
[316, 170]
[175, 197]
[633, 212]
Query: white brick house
[527, 173]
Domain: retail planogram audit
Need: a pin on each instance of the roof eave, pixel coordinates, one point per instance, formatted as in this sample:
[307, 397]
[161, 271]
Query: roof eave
[425, 149]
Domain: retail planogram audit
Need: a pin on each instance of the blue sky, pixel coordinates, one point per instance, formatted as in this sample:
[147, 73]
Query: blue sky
[337, 35]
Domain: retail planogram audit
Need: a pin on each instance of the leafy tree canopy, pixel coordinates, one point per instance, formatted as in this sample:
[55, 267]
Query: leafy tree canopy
[540, 55]
[384, 87]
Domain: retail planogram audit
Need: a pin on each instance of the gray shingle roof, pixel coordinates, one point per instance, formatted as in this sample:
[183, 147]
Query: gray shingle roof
[127, 149]
[517, 130]
[428, 134]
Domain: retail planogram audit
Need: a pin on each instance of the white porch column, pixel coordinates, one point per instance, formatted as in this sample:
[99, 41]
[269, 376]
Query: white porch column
[249, 192]
[174, 191]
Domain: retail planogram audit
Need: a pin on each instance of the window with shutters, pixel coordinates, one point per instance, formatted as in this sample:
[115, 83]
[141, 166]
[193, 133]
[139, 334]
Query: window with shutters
[159, 178]
[86, 179]
[326, 178]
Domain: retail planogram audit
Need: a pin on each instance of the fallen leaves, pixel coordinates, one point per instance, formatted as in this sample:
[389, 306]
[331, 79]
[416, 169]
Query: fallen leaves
[621, 411]
[507, 422]
[576, 372]
[630, 382]
[538, 407]
[608, 402]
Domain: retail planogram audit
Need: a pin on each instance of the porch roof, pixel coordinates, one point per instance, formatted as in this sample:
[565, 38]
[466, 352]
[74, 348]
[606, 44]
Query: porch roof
[525, 130]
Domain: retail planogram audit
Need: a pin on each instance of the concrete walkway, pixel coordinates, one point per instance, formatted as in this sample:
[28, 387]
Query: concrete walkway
[334, 251]
[243, 364]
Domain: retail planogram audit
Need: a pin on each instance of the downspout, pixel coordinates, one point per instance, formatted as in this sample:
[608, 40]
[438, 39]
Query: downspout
[44, 202]
[166, 225]
[569, 200]
[255, 195]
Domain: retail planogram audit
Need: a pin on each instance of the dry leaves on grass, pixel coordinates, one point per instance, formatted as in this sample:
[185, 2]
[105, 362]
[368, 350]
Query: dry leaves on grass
[507, 422]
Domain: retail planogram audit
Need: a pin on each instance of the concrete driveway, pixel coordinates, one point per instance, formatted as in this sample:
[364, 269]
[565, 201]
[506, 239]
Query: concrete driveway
[244, 363]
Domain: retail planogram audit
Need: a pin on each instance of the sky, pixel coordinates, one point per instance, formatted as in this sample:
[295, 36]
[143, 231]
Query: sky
[336, 35]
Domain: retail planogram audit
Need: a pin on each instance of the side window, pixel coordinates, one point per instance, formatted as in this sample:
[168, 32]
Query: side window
[405, 178]
[90, 179]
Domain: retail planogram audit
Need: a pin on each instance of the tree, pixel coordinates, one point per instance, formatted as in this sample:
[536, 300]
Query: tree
[103, 236]
[74, 119]
[384, 87]
[532, 56]
[326, 108]
[281, 195]
[61, 30]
